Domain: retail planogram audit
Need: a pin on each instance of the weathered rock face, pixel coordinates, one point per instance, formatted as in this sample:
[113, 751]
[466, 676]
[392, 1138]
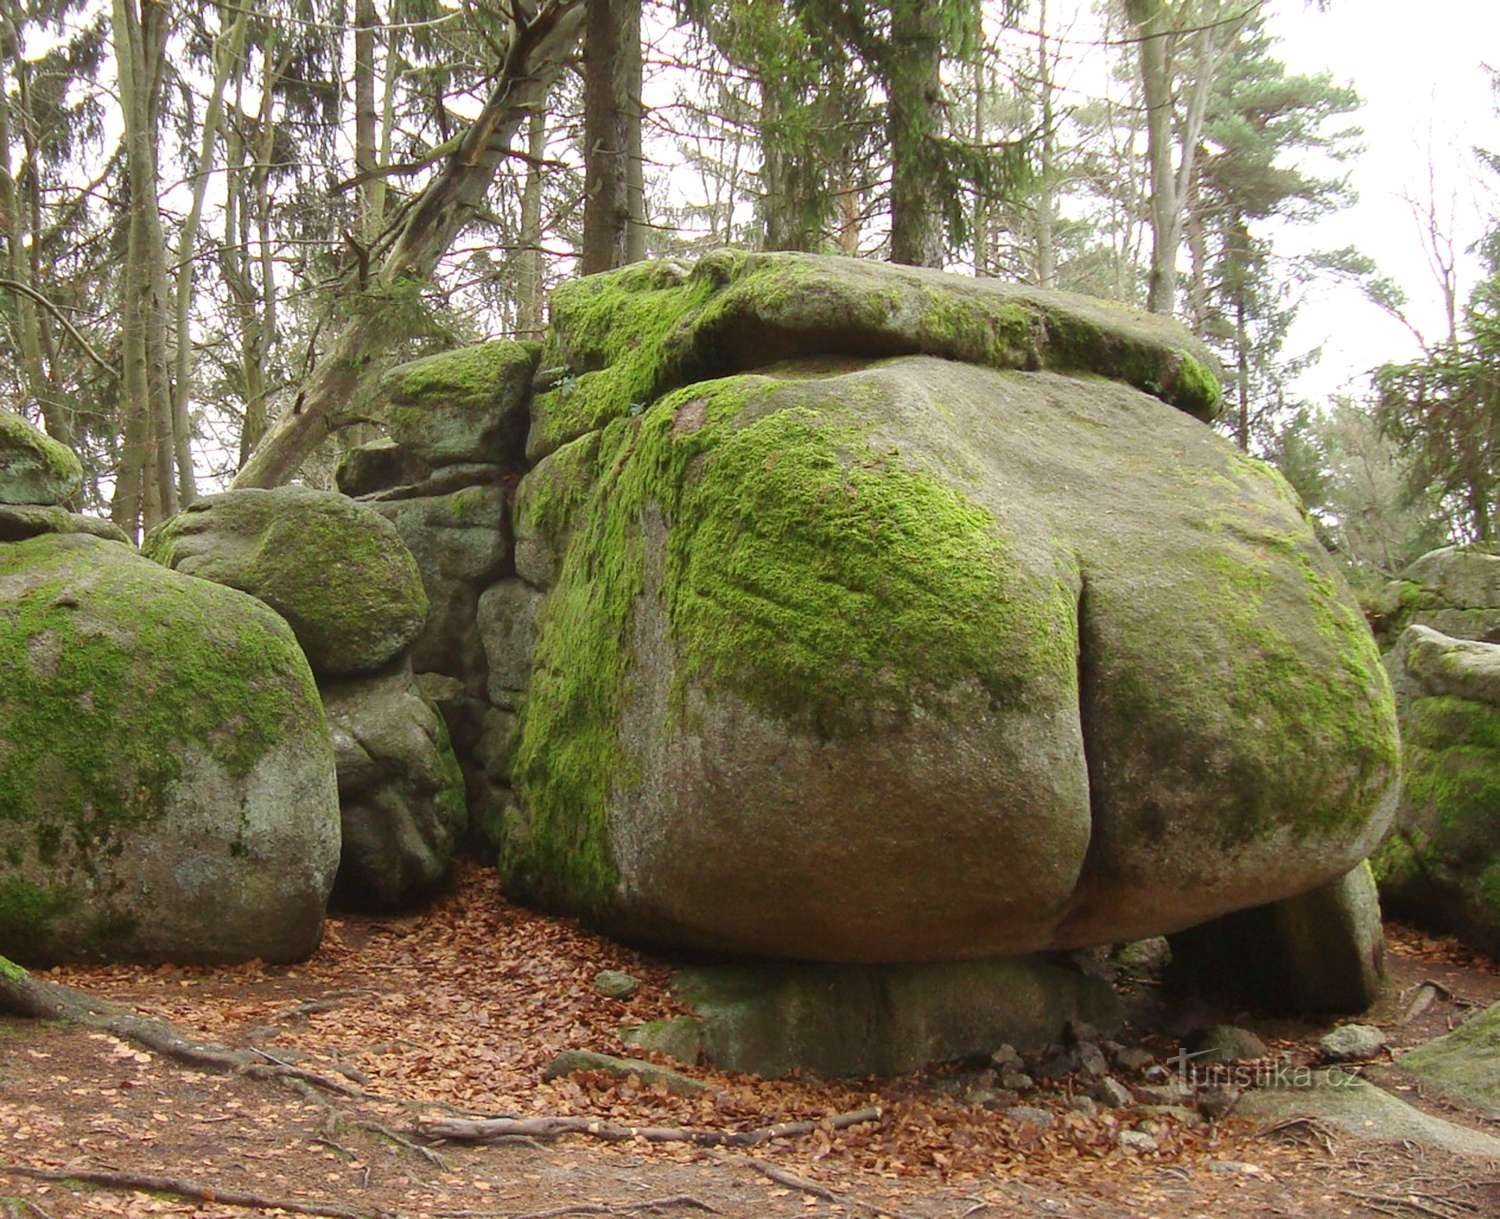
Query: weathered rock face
[872, 656]
[457, 422]
[1441, 866]
[21, 521]
[401, 793]
[336, 571]
[1465, 1062]
[341, 575]
[167, 782]
[1454, 590]
[34, 468]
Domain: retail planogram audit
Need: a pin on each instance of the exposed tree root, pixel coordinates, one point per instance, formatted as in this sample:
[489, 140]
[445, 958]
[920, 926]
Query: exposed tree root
[191, 1190]
[677, 1201]
[489, 1130]
[804, 1185]
[22, 994]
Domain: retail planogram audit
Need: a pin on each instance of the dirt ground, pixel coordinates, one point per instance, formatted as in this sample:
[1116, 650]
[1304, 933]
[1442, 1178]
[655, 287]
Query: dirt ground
[458, 1009]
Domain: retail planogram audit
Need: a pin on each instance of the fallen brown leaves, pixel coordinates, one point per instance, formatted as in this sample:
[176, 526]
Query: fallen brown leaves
[460, 1007]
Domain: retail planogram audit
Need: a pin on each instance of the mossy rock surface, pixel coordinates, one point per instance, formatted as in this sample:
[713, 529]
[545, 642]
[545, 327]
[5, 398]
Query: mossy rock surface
[467, 405]
[21, 521]
[462, 544]
[840, 1020]
[401, 792]
[34, 468]
[623, 339]
[1454, 590]
[167, 785]
[336, 570]
[1465, 1062]
[1321, 951]
[914, 659]
[1441, 865]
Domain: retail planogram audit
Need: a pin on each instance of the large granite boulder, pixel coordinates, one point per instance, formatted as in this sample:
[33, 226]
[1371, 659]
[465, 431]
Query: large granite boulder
[461, 406]
[401, 793]
[334, 569]
[1455, 590]
[34, 468]
[166, 775]
[1441, 865]
[854, 654]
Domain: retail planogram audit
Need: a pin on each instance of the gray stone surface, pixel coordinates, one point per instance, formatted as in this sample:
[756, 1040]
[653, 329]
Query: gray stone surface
[401, 793]
[34, 468]
[167, 787]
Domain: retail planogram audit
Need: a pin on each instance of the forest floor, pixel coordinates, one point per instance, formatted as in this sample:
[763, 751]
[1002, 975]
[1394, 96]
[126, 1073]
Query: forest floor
[458, 1010]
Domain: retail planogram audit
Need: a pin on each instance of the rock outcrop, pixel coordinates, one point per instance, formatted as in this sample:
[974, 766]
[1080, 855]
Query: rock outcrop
[167, 786]
[34, 468]
[854, 653]
[1454, 590]
[352, 592]
[1441, 865]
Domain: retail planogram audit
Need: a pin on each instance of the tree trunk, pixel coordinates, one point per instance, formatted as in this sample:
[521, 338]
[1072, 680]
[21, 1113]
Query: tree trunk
[606, 133]
[915, 95]
[635, 163]
[536, 55]
[1156, 85]
[1046, 199]
[140, 36]
[364, 117]
[529, 287]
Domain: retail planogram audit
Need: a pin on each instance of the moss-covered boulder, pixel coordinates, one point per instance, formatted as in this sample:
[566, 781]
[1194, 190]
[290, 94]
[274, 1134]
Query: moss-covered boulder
[1454, 590]
[1441, 865]
[467, 405]
[334, 569]
[1465, 1062]
[1321, 951]
[401, 793]
[166, 775]
[34, 468]
[621, 341]
[894, 659]
[21, 521]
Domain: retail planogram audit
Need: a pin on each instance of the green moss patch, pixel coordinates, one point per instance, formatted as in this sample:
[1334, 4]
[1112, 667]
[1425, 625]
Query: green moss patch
[109, 667]
[820, 580]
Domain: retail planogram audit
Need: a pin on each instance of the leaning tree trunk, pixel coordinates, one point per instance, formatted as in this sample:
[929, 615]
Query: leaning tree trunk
[536, 56]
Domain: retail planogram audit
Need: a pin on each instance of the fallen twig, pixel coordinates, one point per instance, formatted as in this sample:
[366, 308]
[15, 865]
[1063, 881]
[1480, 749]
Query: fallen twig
[191, 1190]
[487, 1130]
[792, 1181]
[590, 1208]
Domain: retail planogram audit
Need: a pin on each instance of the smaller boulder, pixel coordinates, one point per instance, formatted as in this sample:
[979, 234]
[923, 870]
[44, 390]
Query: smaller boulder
[401, 792]
[21, 521]
[615, 984]
[1226, 1043]
[1352, 1043]
[570, 1062]
[1465, 1062]
[336, 570]
[466, 405]
[34, 468]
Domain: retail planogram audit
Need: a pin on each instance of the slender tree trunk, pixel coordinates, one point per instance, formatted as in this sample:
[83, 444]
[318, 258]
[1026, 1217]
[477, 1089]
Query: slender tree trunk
[140, 44]
[529, 303]
[536, 55]
[1046, 199]
[635, 163]
[606, 133]
[913, 107]
[1156, 85]
[364, 117]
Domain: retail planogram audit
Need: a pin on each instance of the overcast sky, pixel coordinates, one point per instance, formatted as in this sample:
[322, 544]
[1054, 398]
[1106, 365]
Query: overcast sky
[1420, 69]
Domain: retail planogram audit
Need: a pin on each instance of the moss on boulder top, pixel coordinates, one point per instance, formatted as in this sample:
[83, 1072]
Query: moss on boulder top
[163, 753]
[467, 405]
[34, 468]
[620, 341]
[336, 570]
[912, 659]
